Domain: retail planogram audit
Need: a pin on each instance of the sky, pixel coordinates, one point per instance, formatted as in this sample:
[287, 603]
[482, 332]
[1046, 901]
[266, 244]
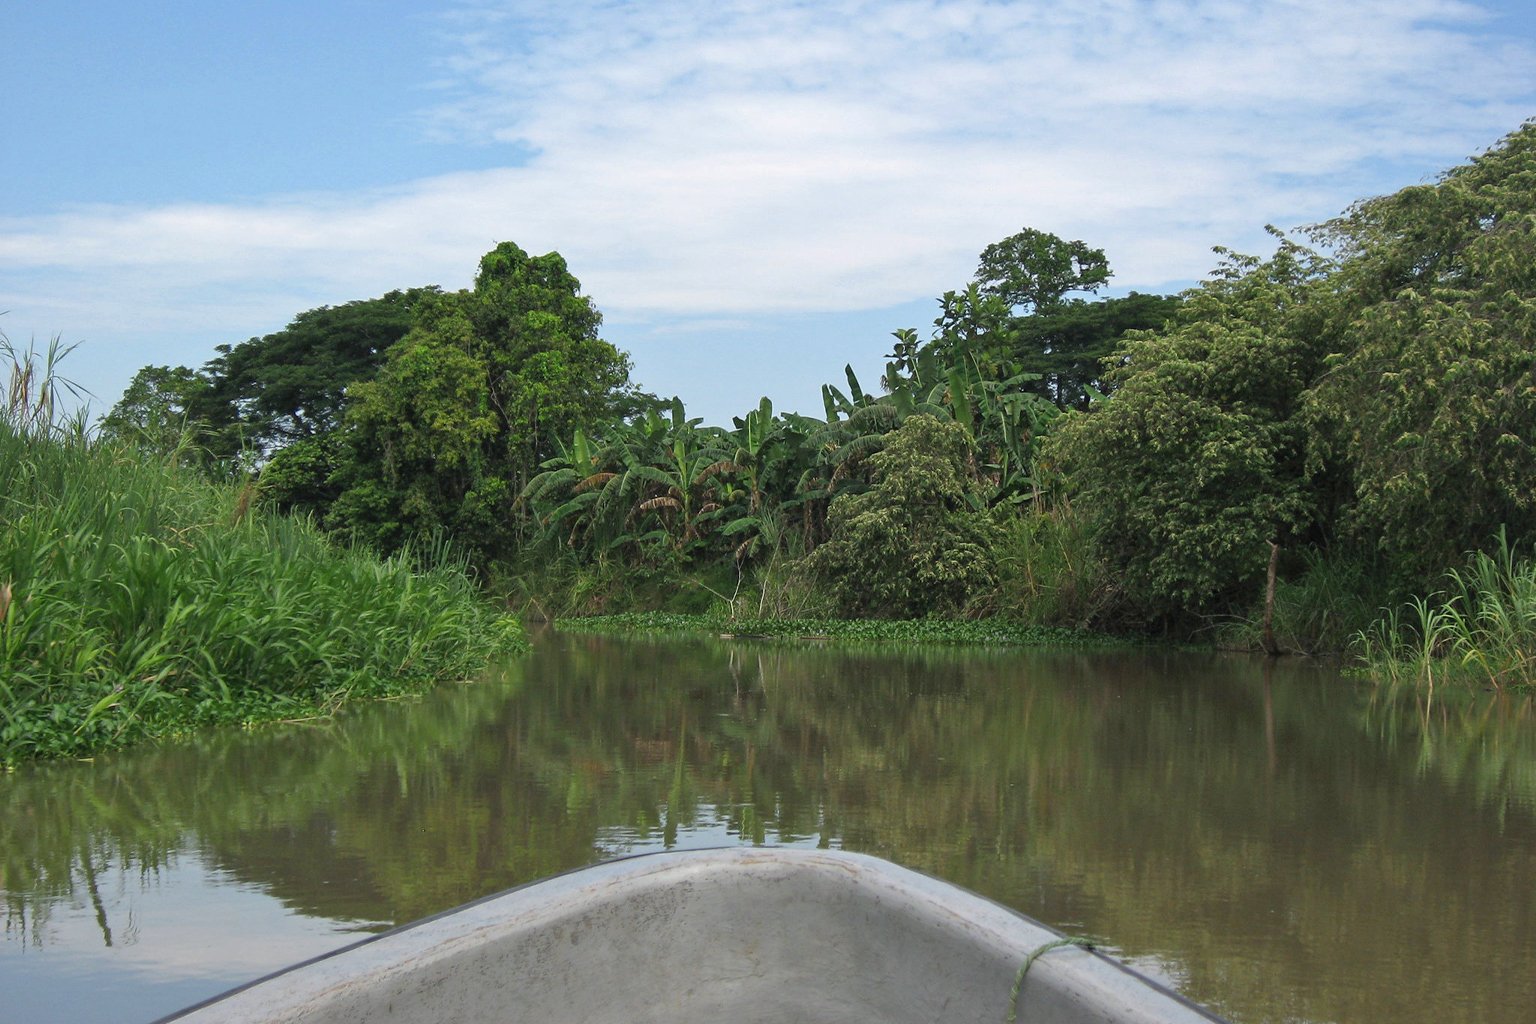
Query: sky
[754, 192]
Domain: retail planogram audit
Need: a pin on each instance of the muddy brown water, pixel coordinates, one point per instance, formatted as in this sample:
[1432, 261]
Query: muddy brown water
[1275, 840]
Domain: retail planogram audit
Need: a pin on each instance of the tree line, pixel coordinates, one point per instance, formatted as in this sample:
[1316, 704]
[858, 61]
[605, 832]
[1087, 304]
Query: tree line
[1339, 422]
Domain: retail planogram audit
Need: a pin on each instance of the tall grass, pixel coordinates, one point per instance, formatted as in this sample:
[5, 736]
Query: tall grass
[32, 389]
[1047, 572]
[1481, 630]
[137, 599]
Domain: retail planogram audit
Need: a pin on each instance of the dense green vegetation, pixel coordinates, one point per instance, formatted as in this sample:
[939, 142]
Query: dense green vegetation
[1272, 459]
[138, 598]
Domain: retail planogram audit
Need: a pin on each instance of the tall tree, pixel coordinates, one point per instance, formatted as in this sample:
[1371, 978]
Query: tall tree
[547, 371]
[1196, 464]
[1031, 270]
[1016, 317]
[1428, 404]
[421, 439]
[481, 391]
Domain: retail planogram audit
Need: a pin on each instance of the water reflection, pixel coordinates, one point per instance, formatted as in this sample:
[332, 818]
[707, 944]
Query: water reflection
[135, 940]
[1281, 843]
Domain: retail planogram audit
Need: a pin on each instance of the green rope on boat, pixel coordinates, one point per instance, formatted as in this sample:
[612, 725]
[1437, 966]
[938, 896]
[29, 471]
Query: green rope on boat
[1018, 983]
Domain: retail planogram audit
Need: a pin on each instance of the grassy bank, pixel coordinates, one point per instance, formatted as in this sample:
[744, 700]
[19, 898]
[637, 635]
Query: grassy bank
[904, 631]
[138, 600]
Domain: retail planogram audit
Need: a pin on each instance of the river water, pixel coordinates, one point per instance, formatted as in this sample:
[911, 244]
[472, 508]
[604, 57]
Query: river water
[1274, 840]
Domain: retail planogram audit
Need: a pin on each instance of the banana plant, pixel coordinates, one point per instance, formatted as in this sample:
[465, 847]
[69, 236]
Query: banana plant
[839, 405]
[948, 378]
[677, 480]
[757, 439]
[754, 437]
[564, 498]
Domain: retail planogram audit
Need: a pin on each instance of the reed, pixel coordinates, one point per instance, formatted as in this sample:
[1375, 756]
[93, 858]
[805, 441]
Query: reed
[1480, 630]
[138, 599]
[1493, 617]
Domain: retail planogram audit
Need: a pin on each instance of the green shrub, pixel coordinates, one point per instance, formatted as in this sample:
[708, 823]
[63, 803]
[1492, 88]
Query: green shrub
[915, 543]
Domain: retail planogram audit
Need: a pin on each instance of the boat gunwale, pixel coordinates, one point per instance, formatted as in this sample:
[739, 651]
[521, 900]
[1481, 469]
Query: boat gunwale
[777, 855]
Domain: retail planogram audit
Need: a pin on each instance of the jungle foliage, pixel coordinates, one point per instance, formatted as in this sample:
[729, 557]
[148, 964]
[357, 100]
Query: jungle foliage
[1372, 400]
[1361, 403]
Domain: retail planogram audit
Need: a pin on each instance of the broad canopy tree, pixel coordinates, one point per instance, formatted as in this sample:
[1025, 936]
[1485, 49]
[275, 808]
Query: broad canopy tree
[1428, 400]
[292, 384]
[484, 388]
[1068, 344]
[262, 395]
[155, 408]
[1376, 402]
[1015, 317]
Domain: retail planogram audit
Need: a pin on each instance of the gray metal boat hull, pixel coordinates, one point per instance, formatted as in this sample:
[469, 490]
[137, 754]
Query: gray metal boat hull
[740, 935]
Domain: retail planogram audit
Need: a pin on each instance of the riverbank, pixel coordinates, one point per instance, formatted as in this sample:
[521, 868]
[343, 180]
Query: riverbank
[139, 600]
[958, 632]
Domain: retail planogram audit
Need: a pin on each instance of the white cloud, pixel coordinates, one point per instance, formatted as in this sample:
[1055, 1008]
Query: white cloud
[751, 157]
[776, 153]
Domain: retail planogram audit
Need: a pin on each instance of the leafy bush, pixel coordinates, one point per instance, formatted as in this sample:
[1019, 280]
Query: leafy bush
[915, 543]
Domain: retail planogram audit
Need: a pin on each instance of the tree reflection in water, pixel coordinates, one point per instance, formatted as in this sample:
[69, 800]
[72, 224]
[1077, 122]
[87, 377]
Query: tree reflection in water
[1284, 843]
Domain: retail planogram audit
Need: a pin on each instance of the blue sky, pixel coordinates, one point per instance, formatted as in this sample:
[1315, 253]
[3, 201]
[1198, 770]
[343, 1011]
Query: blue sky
[754, 192]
